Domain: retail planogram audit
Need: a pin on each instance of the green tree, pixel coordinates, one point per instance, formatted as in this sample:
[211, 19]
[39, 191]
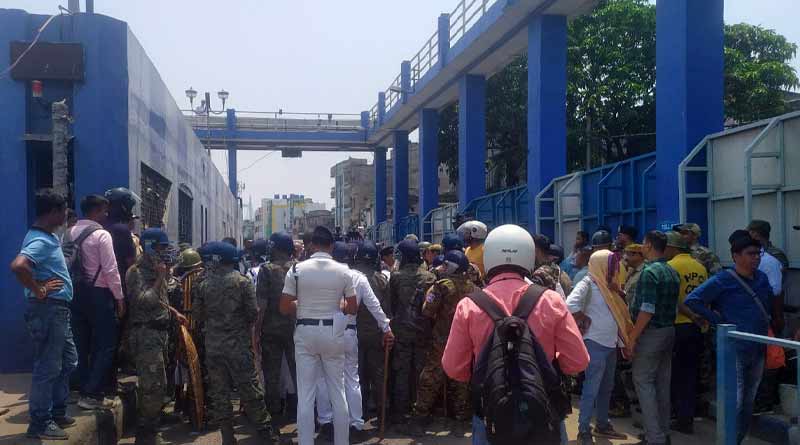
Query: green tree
[611, 78]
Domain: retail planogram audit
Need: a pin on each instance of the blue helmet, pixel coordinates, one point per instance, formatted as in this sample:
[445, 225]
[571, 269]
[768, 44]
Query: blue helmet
[219, 252]
[341, 252]
[260, 247]
[437, 261]
[282, 241]
[452, 241]
[409, 250]
[456, 260]
[153, 237]
[367, 252]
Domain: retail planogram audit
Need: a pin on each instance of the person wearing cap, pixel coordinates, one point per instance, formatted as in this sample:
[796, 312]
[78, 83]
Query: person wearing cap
[625, 235]
[364, 294]
[407, 288]
[634, 263]
[691, 233]
[474, 233]
[120, 219]
[317, 291]
[387, 261]
[509, 253]
[440, 307]
[725, 298]
[275, 330]
[688, 335]
[652, 339]
[370, 333]
[546, 273]
[433, 251]
[149, 317]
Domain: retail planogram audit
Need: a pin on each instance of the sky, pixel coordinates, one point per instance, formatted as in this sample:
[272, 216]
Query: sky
[304, 56]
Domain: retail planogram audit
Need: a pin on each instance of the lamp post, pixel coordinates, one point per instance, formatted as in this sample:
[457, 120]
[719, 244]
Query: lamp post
[205, 107]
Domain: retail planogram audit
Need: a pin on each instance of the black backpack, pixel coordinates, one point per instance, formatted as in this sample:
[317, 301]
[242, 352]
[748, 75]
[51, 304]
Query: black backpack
[516, 391]
[73, 257]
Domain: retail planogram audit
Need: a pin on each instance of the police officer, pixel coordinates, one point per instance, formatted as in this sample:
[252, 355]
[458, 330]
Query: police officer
[276, 330]
[364, 294]
[259, 255]
[691, 233]
[454, 241]
[319, 290]
[407, 288]
[440, 306]
[226, 303]
[149, 320]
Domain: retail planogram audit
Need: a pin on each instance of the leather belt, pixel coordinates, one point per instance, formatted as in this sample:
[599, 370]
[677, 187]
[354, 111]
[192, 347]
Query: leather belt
[313, 322]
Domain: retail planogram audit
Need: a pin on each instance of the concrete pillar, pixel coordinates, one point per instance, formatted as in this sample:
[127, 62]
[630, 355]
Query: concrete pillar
[231, 145]
[428, 161]
[690, 66]
[547, 109]
[443, 31]
[471, 138]
[400, 179]
[380, 184]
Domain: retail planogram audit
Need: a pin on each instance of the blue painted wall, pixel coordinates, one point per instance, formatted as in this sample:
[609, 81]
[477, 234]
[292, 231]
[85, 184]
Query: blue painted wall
[124, 115]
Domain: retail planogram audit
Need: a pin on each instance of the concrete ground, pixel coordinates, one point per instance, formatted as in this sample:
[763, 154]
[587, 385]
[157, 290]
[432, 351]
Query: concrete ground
[104, 428]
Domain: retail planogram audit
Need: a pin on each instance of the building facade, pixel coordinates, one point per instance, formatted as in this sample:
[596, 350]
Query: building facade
[279, 214]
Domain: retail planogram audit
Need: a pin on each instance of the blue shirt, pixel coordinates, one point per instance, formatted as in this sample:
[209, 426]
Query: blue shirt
[44, 250]
[731, 303]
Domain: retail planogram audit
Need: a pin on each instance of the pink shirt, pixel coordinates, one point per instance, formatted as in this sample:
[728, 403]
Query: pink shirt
[550, 320]
[97, 251]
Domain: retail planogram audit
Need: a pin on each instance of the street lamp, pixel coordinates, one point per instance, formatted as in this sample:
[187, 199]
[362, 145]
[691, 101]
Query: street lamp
[205, 105]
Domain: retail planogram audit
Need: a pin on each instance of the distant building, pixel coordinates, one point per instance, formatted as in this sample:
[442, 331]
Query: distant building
[249, 229]
[313, 219]
[280, 213]
[354, 189]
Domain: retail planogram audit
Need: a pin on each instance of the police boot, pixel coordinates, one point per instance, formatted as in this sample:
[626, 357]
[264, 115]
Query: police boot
[268, 436]
[226, 429]
[291, 407]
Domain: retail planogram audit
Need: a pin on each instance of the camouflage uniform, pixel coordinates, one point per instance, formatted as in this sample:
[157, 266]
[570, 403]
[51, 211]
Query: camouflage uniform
[440, 306]
[546, 276]
[225, 301]
[276, 330]
[707, 258]
[148, 319]
[474, 274]
[407, 288]
[631, 282]
[370, 339]
[175, 299]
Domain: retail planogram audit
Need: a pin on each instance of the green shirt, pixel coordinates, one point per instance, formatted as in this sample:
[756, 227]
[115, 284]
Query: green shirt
[657, 294]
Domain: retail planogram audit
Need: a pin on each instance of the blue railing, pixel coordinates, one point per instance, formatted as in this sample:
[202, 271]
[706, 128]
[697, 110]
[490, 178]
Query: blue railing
[408, 226]
[507, 206]
[382, 233]
[438, 223]
[727, 336]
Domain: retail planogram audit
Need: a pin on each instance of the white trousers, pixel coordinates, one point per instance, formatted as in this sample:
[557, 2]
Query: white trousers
[352, 386]
[320, 353]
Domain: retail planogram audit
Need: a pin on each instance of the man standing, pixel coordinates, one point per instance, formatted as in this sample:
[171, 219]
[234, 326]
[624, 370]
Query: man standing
[474, 233]
[98, 304]
[508, 255]
[773, 263]
[568, 265]
[625, 235]
[318, 290]
[226, 304]
[634, 261]
[691, 233]
[149, 321]
[407, 289]
[370, 334]
[688, 336]
[120, 216]
[276, 330]
[41, 269]
[653, 336]
[740, 296]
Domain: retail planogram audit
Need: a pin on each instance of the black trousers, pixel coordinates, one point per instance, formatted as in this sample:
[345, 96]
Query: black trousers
[685, 364]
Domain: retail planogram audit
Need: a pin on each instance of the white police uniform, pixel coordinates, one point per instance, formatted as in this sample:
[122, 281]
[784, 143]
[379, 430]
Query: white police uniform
[352, 386]
[319, 284]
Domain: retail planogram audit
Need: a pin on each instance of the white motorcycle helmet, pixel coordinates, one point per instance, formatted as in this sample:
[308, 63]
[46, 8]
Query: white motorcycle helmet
[472, 230]
[509, 245]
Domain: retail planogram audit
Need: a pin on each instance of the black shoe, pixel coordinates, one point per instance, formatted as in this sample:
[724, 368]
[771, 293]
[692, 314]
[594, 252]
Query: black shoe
[357, 435]
[291, 407]
[417, 425]
[64, 421]
[682, 427]
[585, 439]
[268, 436]
[609, 432]
[326, 432]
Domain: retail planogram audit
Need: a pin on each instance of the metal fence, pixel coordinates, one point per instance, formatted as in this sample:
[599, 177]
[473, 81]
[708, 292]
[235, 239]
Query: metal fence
[727, 336]
[408, 226]
[438, 223]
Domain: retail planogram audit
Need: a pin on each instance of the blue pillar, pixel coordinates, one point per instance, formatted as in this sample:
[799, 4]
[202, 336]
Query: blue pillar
[405, 80]
[690, 66]
[428, 161]
[365, 120]
[381, 107]
[380, 184]
[471, 138]
[547, 109]
[443, 32]
[231, 144]
[400, 179]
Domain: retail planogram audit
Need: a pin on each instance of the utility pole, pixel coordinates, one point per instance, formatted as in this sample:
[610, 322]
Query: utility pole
[61, 119]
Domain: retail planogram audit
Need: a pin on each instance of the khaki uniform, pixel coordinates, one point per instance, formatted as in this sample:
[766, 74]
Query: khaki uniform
[370, 339]
[707, 258]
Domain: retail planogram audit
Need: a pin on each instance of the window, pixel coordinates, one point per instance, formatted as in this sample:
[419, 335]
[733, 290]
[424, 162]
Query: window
[185, 214]
[155, 191]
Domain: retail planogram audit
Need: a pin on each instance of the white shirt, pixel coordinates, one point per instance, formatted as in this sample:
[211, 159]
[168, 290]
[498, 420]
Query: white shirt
[320, 285]
[364, 294]
[772, 268]
[603, 329]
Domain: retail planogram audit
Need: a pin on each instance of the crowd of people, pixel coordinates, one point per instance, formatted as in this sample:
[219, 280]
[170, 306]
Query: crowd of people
[330, 332]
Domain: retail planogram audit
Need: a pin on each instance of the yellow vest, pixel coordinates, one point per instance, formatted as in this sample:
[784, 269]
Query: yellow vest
[692, 275]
